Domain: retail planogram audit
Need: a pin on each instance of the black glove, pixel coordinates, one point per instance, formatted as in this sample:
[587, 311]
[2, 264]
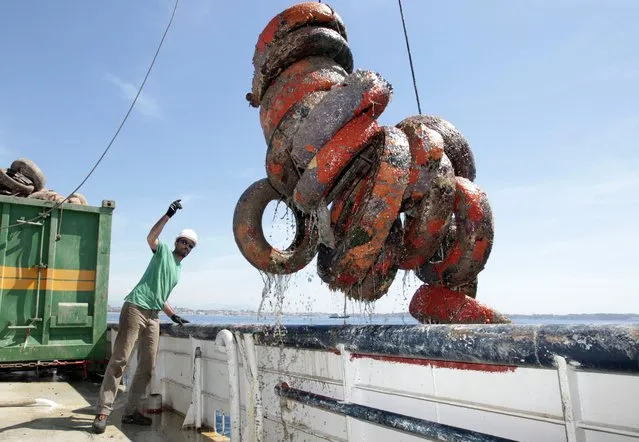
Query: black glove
[174, 207]
[178, 320]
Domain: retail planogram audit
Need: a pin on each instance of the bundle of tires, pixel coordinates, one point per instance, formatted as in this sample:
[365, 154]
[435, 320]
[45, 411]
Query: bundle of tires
[25, 179]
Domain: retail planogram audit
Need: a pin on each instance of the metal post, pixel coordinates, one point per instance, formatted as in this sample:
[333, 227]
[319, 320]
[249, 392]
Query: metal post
[254, 409]
[197, 387]
[39, 266]
[193, 416]
[226, 340]
[569, 400]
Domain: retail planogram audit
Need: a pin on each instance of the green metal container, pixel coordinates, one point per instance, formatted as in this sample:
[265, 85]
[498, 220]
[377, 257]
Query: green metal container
[54, 275]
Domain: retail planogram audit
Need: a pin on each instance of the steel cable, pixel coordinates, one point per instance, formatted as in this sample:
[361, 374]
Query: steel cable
[117, 132]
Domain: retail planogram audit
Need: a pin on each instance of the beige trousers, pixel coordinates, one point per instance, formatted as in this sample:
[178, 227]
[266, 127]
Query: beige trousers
[135, 323]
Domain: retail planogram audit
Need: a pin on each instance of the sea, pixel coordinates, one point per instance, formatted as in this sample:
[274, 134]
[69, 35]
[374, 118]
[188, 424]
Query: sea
[395, 319]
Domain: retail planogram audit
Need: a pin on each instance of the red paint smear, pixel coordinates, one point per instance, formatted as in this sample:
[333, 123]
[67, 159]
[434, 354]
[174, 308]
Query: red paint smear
[448, 306]
[451, 259]
[374, 101]
[411, 263]
[346, 280]
[479, 250]
[382, 266]
[268, 34]
[422, 148]
[300, 85]
[418, 150]
[414, 175]
[336, 210]
[357, 201]
[434, 226]
[471, 198]
[345, 144]
[276, 169]
[490, 368]
[291, 18]
[416, 241]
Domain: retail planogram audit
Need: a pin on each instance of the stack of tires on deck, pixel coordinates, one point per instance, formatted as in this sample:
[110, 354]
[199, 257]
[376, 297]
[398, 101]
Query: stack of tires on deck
[25, 179]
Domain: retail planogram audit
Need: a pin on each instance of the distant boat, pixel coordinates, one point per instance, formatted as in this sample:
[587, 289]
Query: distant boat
[343, 315]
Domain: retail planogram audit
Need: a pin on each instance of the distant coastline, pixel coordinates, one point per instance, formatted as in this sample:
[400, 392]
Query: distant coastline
[249, 312]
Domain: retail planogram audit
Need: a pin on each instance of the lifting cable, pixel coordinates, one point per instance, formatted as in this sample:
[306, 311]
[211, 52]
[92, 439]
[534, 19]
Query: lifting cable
[410, 57]
[117, 132]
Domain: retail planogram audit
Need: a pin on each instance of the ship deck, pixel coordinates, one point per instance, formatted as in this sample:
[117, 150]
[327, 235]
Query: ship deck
[70, 419]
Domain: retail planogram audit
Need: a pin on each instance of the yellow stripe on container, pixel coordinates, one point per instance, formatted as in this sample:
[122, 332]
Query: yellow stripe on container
[45, 284]
[25, 278]
[57, 274]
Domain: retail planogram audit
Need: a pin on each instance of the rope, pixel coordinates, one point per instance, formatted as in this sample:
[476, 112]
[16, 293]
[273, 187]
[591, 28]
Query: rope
[410, 57]
[117, 132]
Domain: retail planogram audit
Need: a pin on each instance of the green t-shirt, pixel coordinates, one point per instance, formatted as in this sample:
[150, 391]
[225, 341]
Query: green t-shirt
[161, 275]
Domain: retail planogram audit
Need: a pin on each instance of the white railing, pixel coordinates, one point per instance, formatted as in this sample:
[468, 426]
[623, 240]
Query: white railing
[232, 376]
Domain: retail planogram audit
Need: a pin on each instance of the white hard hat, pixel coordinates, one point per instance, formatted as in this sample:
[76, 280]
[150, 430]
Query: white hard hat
[188, 234]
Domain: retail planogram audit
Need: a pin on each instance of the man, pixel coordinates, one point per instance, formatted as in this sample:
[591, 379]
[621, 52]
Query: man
[139, 320]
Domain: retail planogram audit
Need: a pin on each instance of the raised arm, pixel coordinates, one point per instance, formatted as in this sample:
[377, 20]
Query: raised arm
[153, 237]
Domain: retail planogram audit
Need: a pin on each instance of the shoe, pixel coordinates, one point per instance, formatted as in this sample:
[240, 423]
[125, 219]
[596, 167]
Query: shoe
[99, 423]
[136, 418]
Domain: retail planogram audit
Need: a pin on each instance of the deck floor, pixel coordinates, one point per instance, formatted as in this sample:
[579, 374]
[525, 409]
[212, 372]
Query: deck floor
[70, 420]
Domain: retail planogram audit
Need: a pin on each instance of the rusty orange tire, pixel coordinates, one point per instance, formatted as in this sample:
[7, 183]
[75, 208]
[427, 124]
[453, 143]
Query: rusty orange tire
[446, 306]
[330, 161]
[312, 74]
[299, 44]
[346, 205]
[430, 194]
[296, 17]
[342, 215]
[362, 244]
[382, 274]
[249, 235]
[455, 145]
[280, 169]
[471, 249]
[362, 92]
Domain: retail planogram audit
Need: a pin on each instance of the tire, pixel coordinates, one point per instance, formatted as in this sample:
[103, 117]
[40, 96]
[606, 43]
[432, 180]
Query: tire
[81, 200]
[473, 244]
[280, 169]
[295, 46]
[249, 235]
[363, 92]
[331, 160]
[42, 194]
[299, 81]
[305, 15]
[11, 184]
[455, 145]
[374, 217]
[441, 305]
[430, 194]
[382, 274]
[29, 169]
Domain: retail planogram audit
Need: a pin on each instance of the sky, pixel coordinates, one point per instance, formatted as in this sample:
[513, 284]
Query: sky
[545, 91]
